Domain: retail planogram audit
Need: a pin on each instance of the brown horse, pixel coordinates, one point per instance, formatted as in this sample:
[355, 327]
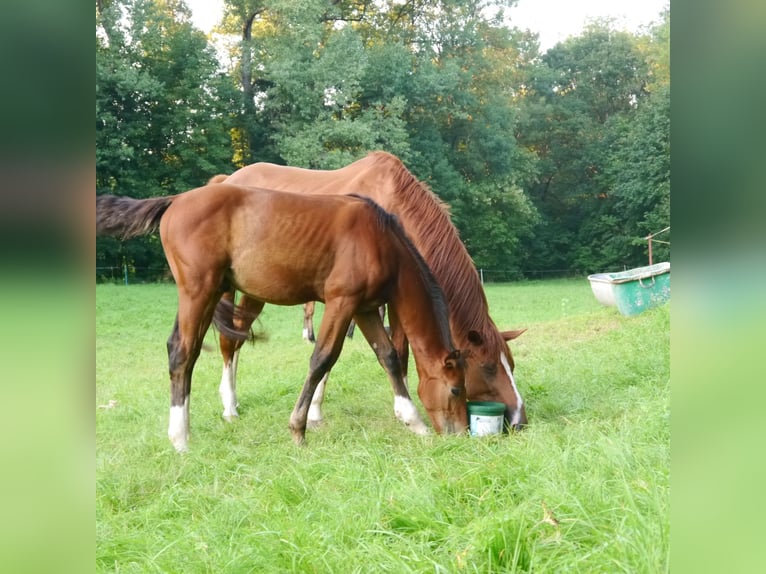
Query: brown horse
[287, 249]
[385, 179]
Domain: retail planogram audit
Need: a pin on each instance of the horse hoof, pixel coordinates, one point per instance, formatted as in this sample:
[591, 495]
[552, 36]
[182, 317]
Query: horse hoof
[181, 446]
[420, 430]
[299, 436]
[315, 424]
[299, 440]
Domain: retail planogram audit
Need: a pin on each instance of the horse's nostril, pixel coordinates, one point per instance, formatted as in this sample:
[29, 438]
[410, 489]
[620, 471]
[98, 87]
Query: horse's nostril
[455, 391]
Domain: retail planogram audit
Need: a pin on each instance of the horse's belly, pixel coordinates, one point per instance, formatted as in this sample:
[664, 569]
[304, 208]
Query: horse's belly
[278, 284]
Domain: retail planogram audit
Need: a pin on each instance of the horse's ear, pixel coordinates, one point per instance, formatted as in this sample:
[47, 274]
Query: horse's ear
[511, 335]
[475, 338]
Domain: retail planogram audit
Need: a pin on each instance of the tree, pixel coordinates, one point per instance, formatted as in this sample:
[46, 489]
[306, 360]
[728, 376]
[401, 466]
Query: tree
[640, 165]
[163, 115]
[580, 99]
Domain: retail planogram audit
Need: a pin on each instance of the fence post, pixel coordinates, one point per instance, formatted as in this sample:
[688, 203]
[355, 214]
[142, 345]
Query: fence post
[125, 271]
[650, 249]
[481, 274]
[649, 241]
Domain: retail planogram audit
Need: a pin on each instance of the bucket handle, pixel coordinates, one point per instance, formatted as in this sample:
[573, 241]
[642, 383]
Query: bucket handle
[640, 282]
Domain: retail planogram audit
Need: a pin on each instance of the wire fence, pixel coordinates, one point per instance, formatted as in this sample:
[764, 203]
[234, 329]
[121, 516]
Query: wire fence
[511, 275]
[128, 274]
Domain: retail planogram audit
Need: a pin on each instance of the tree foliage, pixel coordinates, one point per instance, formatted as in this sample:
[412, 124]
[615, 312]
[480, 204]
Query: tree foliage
[163, 111]
[594, 116]
[555, 161]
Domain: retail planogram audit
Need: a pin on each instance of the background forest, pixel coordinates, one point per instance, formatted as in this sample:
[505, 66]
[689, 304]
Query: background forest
[553, 163]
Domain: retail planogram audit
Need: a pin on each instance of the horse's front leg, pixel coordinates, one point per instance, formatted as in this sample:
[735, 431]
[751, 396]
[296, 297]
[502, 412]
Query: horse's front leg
[315, 418]
[373, 330]
[337, 316]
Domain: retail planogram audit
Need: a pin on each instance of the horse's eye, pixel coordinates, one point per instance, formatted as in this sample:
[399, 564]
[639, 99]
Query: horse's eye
[490, 369]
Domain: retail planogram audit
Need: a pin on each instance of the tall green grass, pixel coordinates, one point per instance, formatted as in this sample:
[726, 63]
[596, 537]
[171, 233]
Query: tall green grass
[585, 488]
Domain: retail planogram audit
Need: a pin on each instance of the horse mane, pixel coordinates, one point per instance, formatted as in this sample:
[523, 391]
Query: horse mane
[391, 222]
[447, 257]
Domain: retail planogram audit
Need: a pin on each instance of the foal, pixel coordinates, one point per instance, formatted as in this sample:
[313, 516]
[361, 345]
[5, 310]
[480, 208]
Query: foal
[287, 249]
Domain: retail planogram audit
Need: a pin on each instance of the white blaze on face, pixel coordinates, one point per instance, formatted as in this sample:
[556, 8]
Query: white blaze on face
[178, 426]
[519, 403]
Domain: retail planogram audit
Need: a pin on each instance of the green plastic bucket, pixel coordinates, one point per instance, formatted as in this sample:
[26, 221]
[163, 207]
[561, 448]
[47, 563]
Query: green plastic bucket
[485, 418]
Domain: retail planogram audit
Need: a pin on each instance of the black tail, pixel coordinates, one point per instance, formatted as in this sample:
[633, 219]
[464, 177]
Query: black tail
[125, 217]
[223, 319]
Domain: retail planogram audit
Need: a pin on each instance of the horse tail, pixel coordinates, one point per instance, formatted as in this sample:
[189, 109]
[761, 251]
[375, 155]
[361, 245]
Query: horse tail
[125, 217]
[223, 320]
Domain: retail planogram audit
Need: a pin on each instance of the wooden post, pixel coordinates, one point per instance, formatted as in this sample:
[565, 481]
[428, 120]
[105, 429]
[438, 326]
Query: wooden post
[649, 238]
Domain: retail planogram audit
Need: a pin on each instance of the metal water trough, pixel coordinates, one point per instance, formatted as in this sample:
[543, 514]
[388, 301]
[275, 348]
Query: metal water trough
[635, 290]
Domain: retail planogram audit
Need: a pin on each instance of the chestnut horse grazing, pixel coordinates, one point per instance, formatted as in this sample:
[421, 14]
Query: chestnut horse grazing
[287, 249]
[384, 178]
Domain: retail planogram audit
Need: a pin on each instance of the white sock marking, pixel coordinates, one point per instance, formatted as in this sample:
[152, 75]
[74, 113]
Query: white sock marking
[315, 409]
[228, 388]
[178, 426]
[406, 412]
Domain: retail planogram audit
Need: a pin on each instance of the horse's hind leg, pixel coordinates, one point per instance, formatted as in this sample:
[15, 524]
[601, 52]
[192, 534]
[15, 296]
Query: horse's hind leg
[195, 314]
[373, 330]
[230, 351]
[230, 354]
[308, 321]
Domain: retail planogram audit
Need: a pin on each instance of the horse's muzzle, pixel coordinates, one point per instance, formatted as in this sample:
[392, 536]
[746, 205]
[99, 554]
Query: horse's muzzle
[451, 427]
[515, 420]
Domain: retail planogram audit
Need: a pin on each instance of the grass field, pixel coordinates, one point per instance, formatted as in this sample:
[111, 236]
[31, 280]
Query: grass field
[585, 488]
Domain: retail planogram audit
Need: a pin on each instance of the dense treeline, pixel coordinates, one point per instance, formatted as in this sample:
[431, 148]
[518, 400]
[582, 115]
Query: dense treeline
[550, 161]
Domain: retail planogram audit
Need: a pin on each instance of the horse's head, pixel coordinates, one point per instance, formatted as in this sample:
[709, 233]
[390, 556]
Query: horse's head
[444, 396]
[489, 376]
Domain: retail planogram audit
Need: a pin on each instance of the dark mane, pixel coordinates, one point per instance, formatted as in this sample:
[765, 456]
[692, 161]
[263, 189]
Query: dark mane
[440, 244]
[390, 222]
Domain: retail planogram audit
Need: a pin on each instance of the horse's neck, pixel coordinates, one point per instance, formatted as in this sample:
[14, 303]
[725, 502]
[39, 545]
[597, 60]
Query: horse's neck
[418, 315]
[445, 255]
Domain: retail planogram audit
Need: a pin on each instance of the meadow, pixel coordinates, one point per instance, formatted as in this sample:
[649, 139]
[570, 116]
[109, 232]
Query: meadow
[585, 488]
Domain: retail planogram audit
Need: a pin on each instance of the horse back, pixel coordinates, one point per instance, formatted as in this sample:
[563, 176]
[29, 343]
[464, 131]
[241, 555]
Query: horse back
[282, 248]
[368, 177]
